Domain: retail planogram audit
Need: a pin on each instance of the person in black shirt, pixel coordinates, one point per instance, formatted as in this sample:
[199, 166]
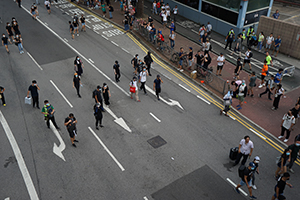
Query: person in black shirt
[2, 89]
[70, 123]
[295, 110]
[248, 172]
[280, 186]
[126, 23]
[15, 27]
[71, 29]
[33, 88]
[106, 94]
[82, 21]
[5, 41]
[75, 24]
[199, 58]
[190, 58]
[98, 97]
[98, 115]
[134, 63]
[110, 11]
[157, 86]
[9, 31]
[76, 83]
[229, 38]
[116, 68]
[78, 66]
[148, 60]
[238, 68]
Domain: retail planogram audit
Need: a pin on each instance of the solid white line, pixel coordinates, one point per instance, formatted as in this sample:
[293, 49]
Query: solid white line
[232, 183]
[259, 135]
[114, 43]
[104, 37]
[184, 88]
[67, 13]
[91, 60]
[34, 61]
[56, 6]
[66, 39]
[106, 149]
[87, 26]
[195, 31]
[231, 117]
[97, 32]
[46, 24]
[61, 94]
[125, 50]
[155, 117]
[22, 165]
[145, 198]
[203, 99]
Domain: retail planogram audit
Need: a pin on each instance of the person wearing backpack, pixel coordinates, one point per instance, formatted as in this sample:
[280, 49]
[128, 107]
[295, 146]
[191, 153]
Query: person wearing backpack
[70, 123]
[248, 56]
[295, 150]
[245, 150]
[246, 173]
[242, 91]
[256, 170]
[227, 103]
[148, 60]
[279, 188]
[98, 115]
[110, 11]
[282, 162]
[48, 112]
[269, 87]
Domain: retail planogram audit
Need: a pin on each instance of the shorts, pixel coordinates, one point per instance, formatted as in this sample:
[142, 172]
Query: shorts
[241, 98]
[180, 62]
[268, 46]
[251, 87]
[72, 133]
[33, 13]
[280, 196]
[10, 34]
[226, 108]
[76, 28]
[219, 67]
[5, 44]
[276, 48]
[263, 77]
[243, 183]
[190, 62]
[246, 61]
[237, 49]
[48, 7]
[126, 27]
[83, 24]
[164, 22]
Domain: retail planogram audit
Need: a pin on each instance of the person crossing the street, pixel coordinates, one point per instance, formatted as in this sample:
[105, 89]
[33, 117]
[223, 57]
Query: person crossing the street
[76, 83]
[48, 112]
[229, 39]
[157, 86]
[33, 89]
[245, 150]
[5, 41]
[116, 68]
[70, 123]
[98, 115]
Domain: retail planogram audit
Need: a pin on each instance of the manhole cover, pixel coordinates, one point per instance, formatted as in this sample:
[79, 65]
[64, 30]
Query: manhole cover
[156, 142]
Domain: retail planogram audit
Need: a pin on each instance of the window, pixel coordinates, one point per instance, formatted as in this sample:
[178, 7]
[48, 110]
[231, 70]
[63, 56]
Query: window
[257, 4]
[230, 4]
[253, 17]
[190, 3]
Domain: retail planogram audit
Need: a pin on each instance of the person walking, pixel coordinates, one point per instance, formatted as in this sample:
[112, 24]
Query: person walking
[5, 41]
[15, 27]
[9, 31]
[78, 66]
[278, 76]
[19, 42]
[256, 170]
[202, 30]
[97, 94]
[242, 91]
[134, 63]
[229, 39]
[157, 86]
[32, 11]
[48, 6]
[221, 62]
[175, 12]
[287, 123]
[134, 89]
[172, 38]
[143, 79]
[237, 69]
[246, 179]
[98, 115]
[148, 60]
[269, 88]
[264, 72]
[249, 31]
[103, 9]
[82, 21]
[245, 150]
[238, 45]
[280, 186]
[110, 11]
[2, 89]
[278, 93]
[252, 84]
[282, 162]
[269, 61]
[227, 103]
[48, 112]
[77, 83]
[295, 148]
[33, 89]
[117, 73]
[76, 25]
[181, 57]
[71, 29]
[106, 94]
[248, 56]
[70, 123]
[261, 38]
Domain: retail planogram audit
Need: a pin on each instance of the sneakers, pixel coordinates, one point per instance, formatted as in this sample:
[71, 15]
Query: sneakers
[252, 197]
[254, 187]
[181, 70]
[291, 170]
[279, 137]
[259, 95]
[76, 141]
[237, 190]
[74, 145]
[4, 104]
[97, 128]
[273, 108]
[260, 86]
[285, 140]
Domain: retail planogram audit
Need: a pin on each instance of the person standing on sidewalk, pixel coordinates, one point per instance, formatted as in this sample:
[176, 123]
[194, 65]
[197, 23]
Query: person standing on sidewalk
[175, 12]
[276, 15]
[157, 86]
[33, 88]
[206, 45]
[277, 44]
[269, 87]
[77, 83]
[103, 9]
[2, 89]
[143, 78]
[295, 150]
[237, 69]
[172, 37]
[110, 11]
[242, 92]
[280, 186]
[48, 112]
[221, 62]
[134, 89]
[5, 41]
[264, 72]
[181, 56]
[106, 94]
[229, 39]
[247, 179]
[288, 121]
[98, 115]
[70, 123]
[245, 150]
[116, 68]
[252, 84]
[154, 9]
[190, 58]
[269, 41]
[281, 165]
[248, 56]
[260, 40]
[227, 103]
[278, 93]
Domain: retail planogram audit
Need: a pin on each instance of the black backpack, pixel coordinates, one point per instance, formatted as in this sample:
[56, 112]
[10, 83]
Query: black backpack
[250, 55]
[94, 94]
[241, 170]
[210, 47]
[208, 59]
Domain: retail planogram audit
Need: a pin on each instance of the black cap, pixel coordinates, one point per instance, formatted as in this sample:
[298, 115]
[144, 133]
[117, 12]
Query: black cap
[98, 87]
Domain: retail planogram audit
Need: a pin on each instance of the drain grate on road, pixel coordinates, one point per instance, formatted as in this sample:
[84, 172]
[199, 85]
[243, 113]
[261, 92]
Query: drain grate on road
[156, 142]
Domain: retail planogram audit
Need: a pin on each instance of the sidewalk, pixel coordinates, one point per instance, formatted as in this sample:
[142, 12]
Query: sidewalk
[256, 109]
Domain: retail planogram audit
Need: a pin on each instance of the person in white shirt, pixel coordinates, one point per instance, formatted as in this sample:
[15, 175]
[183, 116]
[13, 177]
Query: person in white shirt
[133, 84]
[154, 8]
[278, 93]
[221, 62]
[175, 12]
[245, 150]
[164, 18]
[269, 41]
[242, 91]
[208, 28]
[168, 13]
[248, 56]
[288, 121]
[167, 6]
[143, 78]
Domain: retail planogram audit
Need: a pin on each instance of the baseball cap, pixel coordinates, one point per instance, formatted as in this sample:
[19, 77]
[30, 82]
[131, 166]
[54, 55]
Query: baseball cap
[257, 158]
[98, 87]
[191, 48]
[158, 76]
[251, 164]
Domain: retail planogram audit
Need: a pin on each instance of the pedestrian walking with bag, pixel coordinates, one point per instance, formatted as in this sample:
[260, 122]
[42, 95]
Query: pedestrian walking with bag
[117, 73]
[282, 162]
[256, 170]
[106, 94]
[245, 150]
[242, 91]
[295, 150]
[77, 83]
[288, 121]
[98, 115]
[278, 93]
[246, 174]
[148, 60]
[143, 78]
[269, 87]
[70, 123]
[157, 86]
[48, 112]
[227, 103]
[78, 66]
[2, 89]
[280, 186]
[33, 89]
[134, 89]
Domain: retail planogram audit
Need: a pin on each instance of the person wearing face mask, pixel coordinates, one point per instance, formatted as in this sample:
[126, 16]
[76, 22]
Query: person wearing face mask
[106, 94]
[77, 83]
[242, 91]
[98, 115]
[134, 89]
[281, 165]
[288, 121]
[246, 179]
[295, 148]
[32, 11]
[134, 63]
[70, 123]
[78, 66]
[48, 6]
[245, 150]
[15, 27]
[256, 170]
[18, 42]
[143, 78]
[33, 88]
[5, 41]
[279, 188]
[75, 24]
[9, 31]
[48, 112]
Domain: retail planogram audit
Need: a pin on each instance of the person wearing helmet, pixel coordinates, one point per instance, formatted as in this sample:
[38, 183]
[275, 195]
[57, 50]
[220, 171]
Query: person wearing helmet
[247, 179]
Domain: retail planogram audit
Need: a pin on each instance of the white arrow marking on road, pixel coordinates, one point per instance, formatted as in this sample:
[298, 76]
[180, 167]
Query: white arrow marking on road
[119, 121]
[172, 103]
[20, 160]
[58, 149]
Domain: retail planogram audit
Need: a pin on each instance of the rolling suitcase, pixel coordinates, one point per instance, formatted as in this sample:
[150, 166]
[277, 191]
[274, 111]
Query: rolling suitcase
[233, 153]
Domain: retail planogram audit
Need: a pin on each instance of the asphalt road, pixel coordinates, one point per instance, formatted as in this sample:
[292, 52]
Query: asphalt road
[113, 163]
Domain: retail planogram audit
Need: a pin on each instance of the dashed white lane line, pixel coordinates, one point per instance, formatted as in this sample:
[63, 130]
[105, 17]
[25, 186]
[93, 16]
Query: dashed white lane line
[184, 88]
[67, 13]
[104, 37]
[65, 39]
[107, 150]
[259, 135]
[155, 117]
[97, 32]
[34, 61]
[166, 76]
[145, 198]
[232, 183]
[21, 163]
[62, 10]
[91, 60]
[114, 43]
[46, 24]
[195, 31]
[56, 6]
[125, 50]
[203, 99]
[61, 94]
[88, 26]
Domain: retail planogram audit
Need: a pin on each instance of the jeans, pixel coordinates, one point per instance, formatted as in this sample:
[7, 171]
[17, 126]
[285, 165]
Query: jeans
[20, 46]
[229, 43]
[276, 101]
[238, 158]
[172, 43]
[110, 15]
[259, 45]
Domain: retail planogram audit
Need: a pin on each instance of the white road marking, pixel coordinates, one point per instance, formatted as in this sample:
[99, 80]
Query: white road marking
[220, 44]
[145, 198]
[80, 55]
[195, 31]
[231, 117]
[229, 56]
[88, 26]
[184, 88]
[232, 183]
[58, 149]
[259, 135]
[65, 39]
[203, 99]
[155, 117]
[166, 76]
[56, 6]
[61, 94]
[107, 150]
[22, 165]
[34, 61]
[114, 43]
[67, 13]
[91, 60]
[104, 37]
[125, 50]
[118, 120]
[61, 10]
[97, 32]
[46, 24]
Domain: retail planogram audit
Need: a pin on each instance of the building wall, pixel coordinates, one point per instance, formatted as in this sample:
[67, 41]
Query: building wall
[288, 32]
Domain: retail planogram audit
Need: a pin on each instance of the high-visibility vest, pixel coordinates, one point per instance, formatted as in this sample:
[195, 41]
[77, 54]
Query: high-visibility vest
[243, 35]
[250, 30]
